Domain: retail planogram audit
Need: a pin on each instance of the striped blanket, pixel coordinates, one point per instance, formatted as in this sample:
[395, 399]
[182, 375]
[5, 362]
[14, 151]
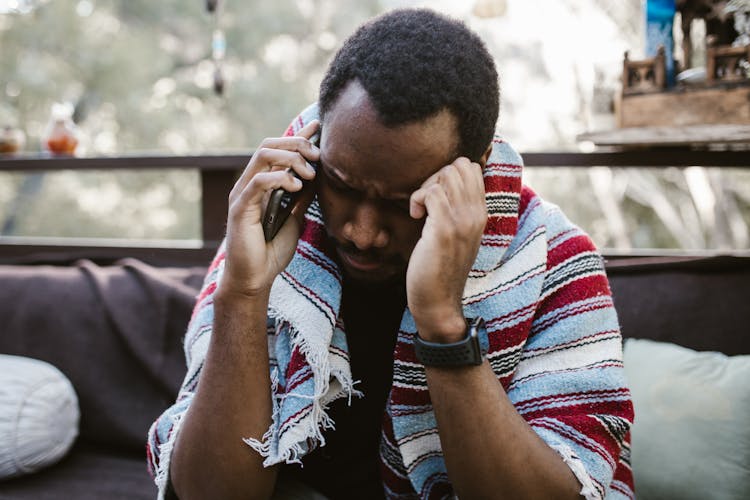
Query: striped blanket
[554, 344]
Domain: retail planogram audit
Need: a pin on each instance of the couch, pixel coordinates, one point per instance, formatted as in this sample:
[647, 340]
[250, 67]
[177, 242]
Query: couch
[115, 331]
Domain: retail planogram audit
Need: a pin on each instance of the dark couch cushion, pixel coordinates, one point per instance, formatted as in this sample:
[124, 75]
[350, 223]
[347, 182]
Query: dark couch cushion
[86, 474]
[700, 303]
[114, 331]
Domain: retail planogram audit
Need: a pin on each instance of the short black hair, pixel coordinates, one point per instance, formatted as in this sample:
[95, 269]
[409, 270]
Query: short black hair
[414, 63]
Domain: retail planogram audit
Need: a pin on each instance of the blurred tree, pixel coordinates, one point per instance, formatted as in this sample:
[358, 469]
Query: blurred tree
[140, 76]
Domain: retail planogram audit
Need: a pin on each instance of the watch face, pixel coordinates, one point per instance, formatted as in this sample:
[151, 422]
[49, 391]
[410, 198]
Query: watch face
[469, 351]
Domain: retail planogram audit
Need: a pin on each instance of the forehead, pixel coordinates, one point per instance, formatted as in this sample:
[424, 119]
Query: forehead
[385, 160]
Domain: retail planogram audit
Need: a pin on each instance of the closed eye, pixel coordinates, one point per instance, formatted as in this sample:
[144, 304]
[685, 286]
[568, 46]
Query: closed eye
[335, 183]
[338, 185]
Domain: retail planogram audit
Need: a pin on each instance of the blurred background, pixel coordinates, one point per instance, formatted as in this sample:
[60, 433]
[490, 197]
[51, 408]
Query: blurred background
[174, 78]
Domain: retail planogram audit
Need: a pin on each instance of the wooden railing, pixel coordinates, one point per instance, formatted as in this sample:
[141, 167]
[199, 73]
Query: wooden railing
[218, 173]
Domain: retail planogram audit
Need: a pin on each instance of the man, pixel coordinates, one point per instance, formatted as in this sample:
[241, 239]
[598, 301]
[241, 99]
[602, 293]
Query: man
[475, 319]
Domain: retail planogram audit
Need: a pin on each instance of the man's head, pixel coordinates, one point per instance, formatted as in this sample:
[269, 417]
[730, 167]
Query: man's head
[406, 95]
[414, 63]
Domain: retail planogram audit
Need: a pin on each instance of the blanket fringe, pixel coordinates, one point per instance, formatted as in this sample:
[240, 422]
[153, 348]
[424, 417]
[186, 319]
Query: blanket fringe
[579, 470]
[309, 433]
[165, 455]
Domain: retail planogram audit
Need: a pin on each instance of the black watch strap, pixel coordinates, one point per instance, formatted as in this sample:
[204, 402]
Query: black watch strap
[465, 352]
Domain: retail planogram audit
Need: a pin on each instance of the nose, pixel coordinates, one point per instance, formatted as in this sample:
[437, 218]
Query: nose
[365, 227]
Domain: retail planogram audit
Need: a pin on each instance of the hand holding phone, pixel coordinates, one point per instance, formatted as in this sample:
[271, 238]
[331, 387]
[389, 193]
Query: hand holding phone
[252, 261]
[280, 205]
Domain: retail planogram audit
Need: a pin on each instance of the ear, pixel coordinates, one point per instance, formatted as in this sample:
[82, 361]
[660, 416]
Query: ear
[485, 156]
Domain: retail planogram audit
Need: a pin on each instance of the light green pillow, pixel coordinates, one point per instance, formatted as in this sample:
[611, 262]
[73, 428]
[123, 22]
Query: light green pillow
[691, 436]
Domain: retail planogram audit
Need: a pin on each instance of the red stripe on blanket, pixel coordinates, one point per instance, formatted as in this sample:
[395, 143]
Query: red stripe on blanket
[612, 402]
[527, 194]
[569, 248]
[500, 225]
[217, 260]
[583, 288]
[502, 184]
[209, 290]
[297, 361]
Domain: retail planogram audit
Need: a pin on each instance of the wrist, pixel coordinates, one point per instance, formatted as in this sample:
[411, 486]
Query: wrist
[228, 297]
[470, 350]
[239, 317]
[445, 329]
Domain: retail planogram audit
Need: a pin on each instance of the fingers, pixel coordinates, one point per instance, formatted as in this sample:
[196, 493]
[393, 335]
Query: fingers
[433, 200]
[284, 154]
[453, 180]
[309, 130]
[277, 153]
[462, 186]
[250, 199]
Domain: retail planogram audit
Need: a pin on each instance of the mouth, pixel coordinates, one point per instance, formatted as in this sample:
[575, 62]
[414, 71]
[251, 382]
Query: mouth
[360, 263]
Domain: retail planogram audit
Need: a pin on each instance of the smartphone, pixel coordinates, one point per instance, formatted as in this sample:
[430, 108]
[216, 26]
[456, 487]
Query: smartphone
[281, 203]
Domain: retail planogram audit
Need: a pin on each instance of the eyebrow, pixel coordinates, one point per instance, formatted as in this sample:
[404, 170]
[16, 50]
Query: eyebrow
[334, 173]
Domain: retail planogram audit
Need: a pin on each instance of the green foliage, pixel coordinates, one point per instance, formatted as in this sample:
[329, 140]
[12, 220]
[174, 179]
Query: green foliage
[96, 204]
[140, 72]
[140, 76]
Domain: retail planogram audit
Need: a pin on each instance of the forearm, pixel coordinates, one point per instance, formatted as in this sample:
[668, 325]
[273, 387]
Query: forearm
[232, 402]
[233, 399]
[483, 436]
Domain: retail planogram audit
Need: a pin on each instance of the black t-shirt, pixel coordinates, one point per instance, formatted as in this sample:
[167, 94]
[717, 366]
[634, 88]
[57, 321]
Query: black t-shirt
[348, 466]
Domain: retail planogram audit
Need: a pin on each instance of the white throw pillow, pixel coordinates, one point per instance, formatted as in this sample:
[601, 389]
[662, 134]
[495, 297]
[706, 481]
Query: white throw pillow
[38, 415]
[691, 436]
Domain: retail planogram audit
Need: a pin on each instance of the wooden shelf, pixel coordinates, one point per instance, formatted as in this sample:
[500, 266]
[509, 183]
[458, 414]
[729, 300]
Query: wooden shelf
[722, 104]
[694, 136]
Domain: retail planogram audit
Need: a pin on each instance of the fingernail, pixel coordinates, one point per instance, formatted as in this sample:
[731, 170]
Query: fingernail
[310, 168]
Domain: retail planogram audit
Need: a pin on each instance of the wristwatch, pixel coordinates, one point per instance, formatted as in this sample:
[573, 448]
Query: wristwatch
[469, 351]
